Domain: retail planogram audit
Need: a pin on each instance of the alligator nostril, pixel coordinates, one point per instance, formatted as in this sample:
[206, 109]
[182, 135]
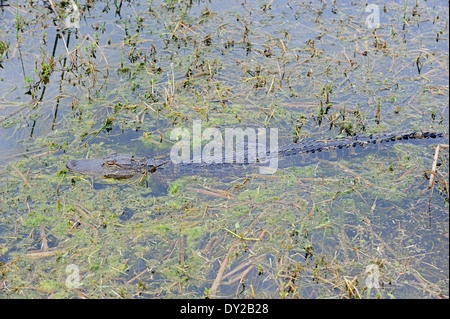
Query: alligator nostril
[71, 164]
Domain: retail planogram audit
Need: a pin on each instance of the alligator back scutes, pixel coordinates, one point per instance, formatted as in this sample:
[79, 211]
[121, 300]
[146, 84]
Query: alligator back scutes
[339, 143]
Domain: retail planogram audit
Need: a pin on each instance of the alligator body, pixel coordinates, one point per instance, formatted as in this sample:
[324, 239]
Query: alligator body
[122, 166]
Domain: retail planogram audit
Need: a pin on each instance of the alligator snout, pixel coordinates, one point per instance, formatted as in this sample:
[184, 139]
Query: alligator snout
[71, 164]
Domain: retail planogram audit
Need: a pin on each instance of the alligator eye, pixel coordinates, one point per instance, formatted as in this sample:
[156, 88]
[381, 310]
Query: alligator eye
[109, 163]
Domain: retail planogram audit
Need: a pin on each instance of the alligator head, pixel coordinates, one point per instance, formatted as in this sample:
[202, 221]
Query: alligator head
[118, 166]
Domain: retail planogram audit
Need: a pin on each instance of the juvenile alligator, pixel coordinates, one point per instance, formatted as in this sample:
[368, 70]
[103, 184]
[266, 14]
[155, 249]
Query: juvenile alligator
[122, 166]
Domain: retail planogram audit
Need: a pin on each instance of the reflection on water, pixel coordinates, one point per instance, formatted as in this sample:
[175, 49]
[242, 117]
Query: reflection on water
[134, 71]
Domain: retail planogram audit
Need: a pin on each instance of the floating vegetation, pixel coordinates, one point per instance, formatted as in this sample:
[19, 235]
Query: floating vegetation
[82, 79]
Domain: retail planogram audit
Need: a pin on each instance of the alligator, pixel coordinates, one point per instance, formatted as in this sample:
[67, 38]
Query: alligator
[123, 166]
